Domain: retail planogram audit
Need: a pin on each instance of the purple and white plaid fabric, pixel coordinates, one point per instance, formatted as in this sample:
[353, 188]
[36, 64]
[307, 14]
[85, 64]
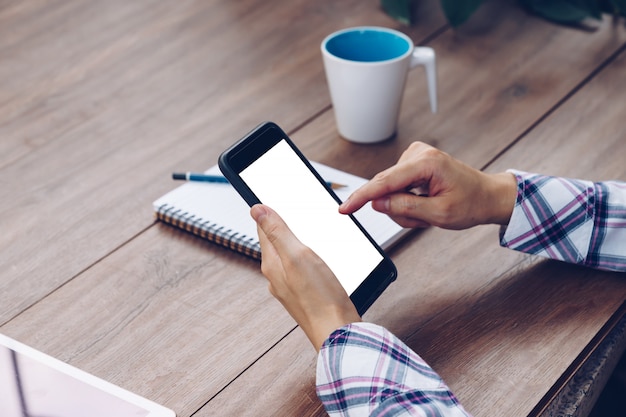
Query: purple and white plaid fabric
[579, 222]
[364, 370]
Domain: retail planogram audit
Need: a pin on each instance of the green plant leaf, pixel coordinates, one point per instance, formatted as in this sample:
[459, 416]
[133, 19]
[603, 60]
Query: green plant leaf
[606, 6]
[561, 11]
[591, 6]
[398, 9]
[618, 7]
[458, 11]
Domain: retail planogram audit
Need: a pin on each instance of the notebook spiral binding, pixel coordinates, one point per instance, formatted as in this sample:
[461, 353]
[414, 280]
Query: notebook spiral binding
[247, 245]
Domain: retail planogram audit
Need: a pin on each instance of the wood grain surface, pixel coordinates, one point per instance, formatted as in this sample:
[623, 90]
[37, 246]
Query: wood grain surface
[101, 101]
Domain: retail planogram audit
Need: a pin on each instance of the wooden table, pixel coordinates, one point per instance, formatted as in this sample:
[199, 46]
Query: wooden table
[101, 101]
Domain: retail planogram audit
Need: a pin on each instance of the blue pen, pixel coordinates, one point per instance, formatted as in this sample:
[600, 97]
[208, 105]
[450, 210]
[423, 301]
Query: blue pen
[192, 176]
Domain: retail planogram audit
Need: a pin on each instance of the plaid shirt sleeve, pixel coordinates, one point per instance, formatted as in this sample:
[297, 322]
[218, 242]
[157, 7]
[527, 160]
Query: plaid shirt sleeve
[575, 221]
[364, 370]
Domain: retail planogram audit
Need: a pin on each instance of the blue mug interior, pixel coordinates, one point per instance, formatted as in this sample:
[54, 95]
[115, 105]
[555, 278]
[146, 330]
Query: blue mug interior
[367, 45]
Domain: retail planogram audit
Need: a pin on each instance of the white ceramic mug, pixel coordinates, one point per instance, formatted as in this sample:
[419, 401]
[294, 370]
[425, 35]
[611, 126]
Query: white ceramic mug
[366, 69]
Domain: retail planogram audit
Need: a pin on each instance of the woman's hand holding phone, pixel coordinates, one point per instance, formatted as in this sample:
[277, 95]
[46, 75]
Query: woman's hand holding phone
[300, 280]
[266, 167]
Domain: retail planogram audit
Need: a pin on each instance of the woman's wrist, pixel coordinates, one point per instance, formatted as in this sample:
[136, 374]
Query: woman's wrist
[324, 326]
[502, 194]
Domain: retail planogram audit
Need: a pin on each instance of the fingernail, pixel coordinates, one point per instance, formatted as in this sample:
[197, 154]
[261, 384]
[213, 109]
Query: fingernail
[258, 212]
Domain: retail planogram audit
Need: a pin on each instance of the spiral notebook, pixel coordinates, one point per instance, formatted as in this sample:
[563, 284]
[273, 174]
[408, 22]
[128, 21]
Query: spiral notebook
[216, 212]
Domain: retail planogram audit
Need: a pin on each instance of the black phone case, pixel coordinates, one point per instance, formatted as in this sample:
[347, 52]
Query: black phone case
[230, 165]
[245, 151]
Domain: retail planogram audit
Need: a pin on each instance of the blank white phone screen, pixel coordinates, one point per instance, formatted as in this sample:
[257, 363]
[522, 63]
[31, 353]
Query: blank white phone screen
[283, 182]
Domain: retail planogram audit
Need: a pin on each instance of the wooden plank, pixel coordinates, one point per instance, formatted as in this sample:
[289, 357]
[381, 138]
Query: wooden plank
[499, 326]
[493, 85]
[126, 93]
[174, 321]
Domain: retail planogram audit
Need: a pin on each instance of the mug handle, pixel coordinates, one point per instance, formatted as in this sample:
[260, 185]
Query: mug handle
[424, 55]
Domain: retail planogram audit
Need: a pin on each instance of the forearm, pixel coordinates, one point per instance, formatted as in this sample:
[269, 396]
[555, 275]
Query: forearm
[575, 221]
[500, 196]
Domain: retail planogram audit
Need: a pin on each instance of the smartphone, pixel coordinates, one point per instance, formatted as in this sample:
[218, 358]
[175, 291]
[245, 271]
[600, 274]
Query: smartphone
[266, 167]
